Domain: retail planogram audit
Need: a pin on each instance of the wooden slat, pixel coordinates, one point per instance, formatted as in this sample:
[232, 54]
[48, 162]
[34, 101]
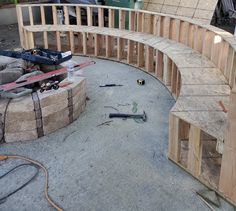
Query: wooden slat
[207, 43]
[30, 36]
[100, 17]
[66, 15]
[156, 25]
[140, 61]
[174, 29]
[43, 21]
[20, 25]
[131, 20]
[120, 48]
[198, 39]
[109, 46]
[178, 84]
[174, 143]
[122, 19]
[167, 70]
[89, 16]
[165, 27]
[54, 15]
[173, 78]
[149, 59]
[31, 18]
[111, 21]
[159, 65]
[84, 43]
[184, 29]
[151, 24]
[78, 16]
[97, 44]
[72, 41]
[195, 151]
[130, 53]
[140, 21]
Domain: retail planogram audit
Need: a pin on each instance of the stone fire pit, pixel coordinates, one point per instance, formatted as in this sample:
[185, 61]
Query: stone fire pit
[38, 114]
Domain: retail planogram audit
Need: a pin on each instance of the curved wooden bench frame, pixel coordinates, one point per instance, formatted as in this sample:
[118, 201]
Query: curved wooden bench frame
[154, 53]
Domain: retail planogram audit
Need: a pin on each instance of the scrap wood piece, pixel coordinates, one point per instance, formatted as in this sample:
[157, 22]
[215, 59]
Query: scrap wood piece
[221, 104]
[105, 123]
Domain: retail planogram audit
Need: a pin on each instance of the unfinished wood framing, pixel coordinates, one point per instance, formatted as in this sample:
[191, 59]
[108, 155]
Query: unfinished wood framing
[194, 72]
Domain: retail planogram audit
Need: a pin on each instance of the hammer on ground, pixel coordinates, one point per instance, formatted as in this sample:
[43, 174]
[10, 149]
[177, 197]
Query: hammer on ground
[133, 116]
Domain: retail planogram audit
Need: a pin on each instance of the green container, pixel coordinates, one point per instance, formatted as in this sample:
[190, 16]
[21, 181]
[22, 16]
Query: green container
[121, 3]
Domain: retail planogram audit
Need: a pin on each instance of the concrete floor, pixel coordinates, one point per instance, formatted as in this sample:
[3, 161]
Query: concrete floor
[116, 167]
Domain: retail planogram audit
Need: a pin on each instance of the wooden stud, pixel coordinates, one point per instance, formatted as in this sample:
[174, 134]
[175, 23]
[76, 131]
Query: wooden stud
[174, 143]
[20, 25]
[89, 16]
[198, 39]
[232, 74]
[173, 78]
[78, 16]
[140, 21]
[191, 33]
[66, 15]
[165, 32]
[216, 48]
[184, 29]
[45, 34]
[207, 44]
[149, 59]
[122, 19]
[58, 38]
[111, 20]
[174, 29]
[120, 48]
[178, 83]
[30, 37]
[222, 63]
[167, 70]
[156, 25]
[151, 24]
[131, 20]
[159, 65]
[85, 43]
[31, 18]
[109, 46]
[130, 53]
[100, 17]
[195, 151]
[140, 61]
[98, 44]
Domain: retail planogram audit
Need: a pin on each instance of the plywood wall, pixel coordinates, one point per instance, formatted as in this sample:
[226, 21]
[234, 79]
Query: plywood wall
[197, 9]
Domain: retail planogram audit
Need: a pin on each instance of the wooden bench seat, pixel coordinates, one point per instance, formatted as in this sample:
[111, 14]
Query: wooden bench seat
[202, 84]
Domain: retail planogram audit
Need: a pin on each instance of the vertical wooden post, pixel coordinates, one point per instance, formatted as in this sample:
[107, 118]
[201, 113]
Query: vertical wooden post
[151, 24]
[121, 19]
[178, 84]
[84, 43]
[98, 44]
[31, 18]
[89, 16]
[174, 29]
[30, 37]
[195, 151]
[71, 34]
[165, 27]
[100, 17]
[109, 46]
[140, 55]
[20, 24]
[111, 18]
[184, 32]
[167, 71]
[130, 54]
[120, 48]
[174, 143]
[207, 44]
[58, 38]
[140, 21]
[159, 65]
[45, 34]
[149, 59]
[173, 78]
[78, 16]
[131, 20]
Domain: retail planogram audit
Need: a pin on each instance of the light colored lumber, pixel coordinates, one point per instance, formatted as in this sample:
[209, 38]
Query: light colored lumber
[140, 61]
[78, 16]
[122, 19]
[100, 17]
[89, 16]
[149, 59]
[31, 18]
[111, 18]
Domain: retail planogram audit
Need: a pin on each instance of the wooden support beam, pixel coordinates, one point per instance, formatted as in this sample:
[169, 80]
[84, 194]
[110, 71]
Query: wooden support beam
[31, 18]
[149, 59]
[122, 19]
[120, 48]
[174, 143]
[156, 25]
[159, 65]
[78, 16]
[89, 16]
[184, 32]
[178, 84]
[174, 29]
[207, 44]
[167, 70]
[43, 21]
[195, 151]
[109, 46]
[31, 43]
[130, 53]
[111, 18]
[58, 38]
[98, 44]
[20, 25]
[131, 20]
[66, 15]
[198, 39]
[151, 24]
[100, 17]
[141, 57]
[165, 27]
[173, 79]
[140, 21]
[84, 43]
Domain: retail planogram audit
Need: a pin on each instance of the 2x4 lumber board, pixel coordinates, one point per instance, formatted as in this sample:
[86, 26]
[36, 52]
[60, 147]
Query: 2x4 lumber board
[140, 21]
[150, 24]
[26, 41]
[131, 20]
[109, 46]
[174, 29]
[149, 59]
[43, 21]
[31, 18]
[165, 27]
[167, 70]
[30, 36]
[184, 32]
[207, 44]
[122, 19]
[66, 15]
[140, 55]
[191, 35]
[195, 151]
[58, 38]
[78, 16]
[198, 39]
[174, 143]
[159, 65]
[98, 44]
[72, 41]
[120, 48]
[130, 53]
[216, 48]
[89, 16]
[183, 130]
[222, 63]
[84, 43]
[100, 17]
[173, 78]
[232, 72]
[20, 25]
[178, 86]
[111, 18]
[157, 25]
[229, 63]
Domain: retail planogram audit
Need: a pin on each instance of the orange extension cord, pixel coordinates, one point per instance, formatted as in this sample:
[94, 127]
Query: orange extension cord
[50, 201]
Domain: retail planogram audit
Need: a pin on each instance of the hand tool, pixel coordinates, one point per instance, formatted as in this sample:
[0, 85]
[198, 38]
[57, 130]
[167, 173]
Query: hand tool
[133, 116]
[110, 85]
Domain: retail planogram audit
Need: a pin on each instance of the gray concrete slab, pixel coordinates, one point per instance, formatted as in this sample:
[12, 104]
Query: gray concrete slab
[116, 167]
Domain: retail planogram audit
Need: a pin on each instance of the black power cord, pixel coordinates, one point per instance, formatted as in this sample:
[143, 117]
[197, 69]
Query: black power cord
[4, 198]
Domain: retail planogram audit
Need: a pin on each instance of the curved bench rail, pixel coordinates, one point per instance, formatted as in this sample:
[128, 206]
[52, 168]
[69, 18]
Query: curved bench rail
[196, 62]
